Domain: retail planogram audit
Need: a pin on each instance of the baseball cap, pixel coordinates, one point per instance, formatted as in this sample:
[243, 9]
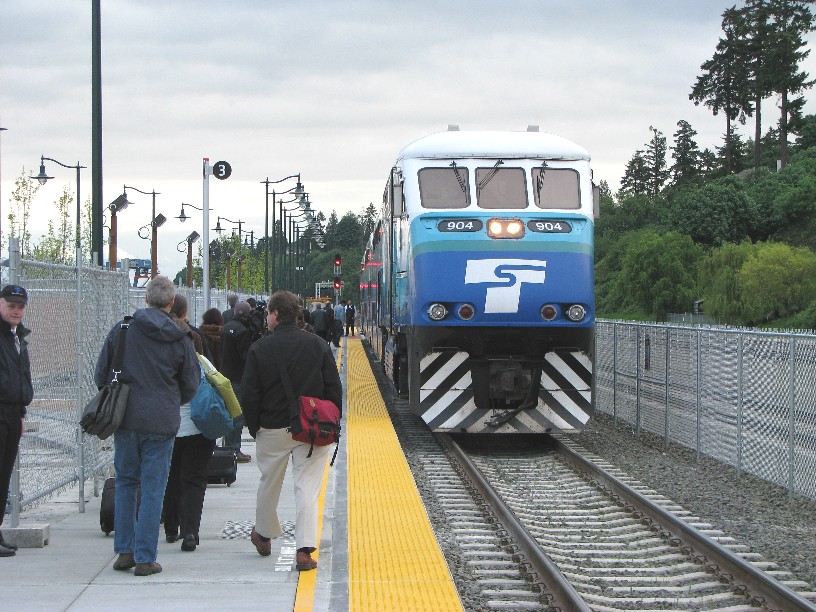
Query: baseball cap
[242, 308]
[14, 293]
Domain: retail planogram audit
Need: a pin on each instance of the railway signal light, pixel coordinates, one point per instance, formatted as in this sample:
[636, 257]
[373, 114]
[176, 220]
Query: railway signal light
[337, 282]
[337, 261]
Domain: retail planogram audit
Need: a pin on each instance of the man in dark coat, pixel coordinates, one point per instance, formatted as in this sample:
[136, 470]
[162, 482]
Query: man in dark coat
[236, 338]
[161, 368]
[16, 390]
[320, 321]
[312, 372]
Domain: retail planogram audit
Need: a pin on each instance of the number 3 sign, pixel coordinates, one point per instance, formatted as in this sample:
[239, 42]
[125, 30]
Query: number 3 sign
[221, 170]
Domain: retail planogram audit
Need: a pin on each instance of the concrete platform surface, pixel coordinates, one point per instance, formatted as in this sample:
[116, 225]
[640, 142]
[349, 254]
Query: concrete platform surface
[73, 569]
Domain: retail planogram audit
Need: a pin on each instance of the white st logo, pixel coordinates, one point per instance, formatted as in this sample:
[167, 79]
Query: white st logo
[510, 273]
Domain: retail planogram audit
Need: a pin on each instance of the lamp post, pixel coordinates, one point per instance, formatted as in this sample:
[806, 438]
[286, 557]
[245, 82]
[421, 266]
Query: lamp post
[189, 242]
[287, 227]
[119, 204]
[218, 229]
[183, 217]
[155, 223]
[42, 178]
[298, 190]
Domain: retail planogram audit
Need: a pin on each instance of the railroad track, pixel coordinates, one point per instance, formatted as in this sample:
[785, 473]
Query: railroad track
[615, 545]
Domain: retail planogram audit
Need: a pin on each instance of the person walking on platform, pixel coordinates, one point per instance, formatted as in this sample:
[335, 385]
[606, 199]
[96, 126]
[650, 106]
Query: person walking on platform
[350, 314]
[187, 482]
[229, 313]
[320, 322]
[16, 390]
[313, 372]
[236, 338]
[212, 322]
[339, 320]
[162, 371]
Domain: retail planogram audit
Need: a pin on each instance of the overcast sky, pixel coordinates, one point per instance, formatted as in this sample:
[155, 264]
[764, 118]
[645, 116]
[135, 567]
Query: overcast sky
[332, 90]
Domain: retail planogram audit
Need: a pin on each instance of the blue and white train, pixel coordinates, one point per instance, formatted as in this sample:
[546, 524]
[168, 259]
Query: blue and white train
[477, 289]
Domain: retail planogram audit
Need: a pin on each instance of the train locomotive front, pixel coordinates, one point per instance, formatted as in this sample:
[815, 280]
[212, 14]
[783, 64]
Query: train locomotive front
[477, 284]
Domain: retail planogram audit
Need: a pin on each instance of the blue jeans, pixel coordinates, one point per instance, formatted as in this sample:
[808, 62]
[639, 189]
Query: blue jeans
[141, 460]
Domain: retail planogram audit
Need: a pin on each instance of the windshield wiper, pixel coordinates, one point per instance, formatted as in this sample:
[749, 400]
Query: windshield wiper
[540, 178]
[459, 178]
[483, 183]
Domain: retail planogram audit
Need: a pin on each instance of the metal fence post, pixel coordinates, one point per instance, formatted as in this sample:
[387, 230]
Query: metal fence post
[792, 420]
[637, 382]
[668, 366]
[614, 373]
[14, 279]
[740, 349]
[699, 398]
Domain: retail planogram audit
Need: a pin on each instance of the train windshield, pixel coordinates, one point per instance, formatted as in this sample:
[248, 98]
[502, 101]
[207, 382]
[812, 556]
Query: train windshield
[444, 187]
[556, 188]
[498, 187]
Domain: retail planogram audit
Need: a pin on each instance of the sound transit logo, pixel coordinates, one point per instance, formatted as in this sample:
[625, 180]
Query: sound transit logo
[506, 276]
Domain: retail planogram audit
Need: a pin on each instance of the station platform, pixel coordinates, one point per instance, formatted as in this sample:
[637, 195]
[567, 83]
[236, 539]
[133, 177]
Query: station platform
[377, 549]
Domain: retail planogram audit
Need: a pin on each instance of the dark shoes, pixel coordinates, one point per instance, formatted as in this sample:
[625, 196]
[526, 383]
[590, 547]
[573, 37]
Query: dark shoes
[264, 548]
[189, 544]
[304, 562]
[242, 457]
[6, 552]
[171, 538]
[124, 562]
[147, 569]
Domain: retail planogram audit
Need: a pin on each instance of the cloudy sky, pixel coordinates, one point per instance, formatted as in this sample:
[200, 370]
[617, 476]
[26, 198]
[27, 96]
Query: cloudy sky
[330, 89]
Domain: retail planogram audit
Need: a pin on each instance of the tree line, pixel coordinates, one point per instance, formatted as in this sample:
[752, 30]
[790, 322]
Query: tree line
[729, 228]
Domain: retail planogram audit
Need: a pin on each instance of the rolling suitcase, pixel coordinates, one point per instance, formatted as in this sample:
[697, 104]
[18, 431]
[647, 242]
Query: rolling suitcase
[107, 506]
[223, 466]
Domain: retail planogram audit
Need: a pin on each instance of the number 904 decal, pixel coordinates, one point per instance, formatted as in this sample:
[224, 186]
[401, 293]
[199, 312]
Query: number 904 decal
[460, 225]
[549, 226]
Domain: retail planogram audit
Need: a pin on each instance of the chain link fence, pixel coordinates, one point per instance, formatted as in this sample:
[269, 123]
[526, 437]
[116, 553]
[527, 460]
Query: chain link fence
[70, 316]
[743, 397]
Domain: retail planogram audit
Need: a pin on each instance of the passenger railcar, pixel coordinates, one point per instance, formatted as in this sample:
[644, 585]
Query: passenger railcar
[477, 289]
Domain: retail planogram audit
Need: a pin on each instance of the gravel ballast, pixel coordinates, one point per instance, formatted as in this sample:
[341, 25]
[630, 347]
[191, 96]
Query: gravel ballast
[755, 512]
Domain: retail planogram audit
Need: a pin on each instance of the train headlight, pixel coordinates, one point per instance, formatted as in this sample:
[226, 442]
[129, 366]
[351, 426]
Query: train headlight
[505, 228]
[576, 312]
[466, 312]
[548, 312]
[437, 312]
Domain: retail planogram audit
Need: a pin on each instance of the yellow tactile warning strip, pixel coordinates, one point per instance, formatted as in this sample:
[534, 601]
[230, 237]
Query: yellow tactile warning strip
[305, 594]
[394, 560]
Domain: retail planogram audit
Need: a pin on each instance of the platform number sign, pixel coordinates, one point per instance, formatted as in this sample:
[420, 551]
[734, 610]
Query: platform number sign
[221, 170]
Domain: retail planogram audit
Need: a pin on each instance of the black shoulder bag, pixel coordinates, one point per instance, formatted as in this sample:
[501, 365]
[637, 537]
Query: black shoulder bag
[104, 413]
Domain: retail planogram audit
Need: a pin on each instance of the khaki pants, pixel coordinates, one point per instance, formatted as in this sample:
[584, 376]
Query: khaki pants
[272, 450]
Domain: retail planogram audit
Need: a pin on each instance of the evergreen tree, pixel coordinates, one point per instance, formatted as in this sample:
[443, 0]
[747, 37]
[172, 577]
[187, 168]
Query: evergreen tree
[754, 26]
[635, 179]
[655, 158]
[723, 86]
[686, 154]
[791, 21]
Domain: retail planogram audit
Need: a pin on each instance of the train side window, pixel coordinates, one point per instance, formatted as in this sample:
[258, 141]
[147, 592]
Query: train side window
[444, 187]
[556, 188]
[501, 187]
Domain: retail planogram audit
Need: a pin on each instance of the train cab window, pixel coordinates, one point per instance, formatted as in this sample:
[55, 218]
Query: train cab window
[501, 187]
[556, 188]
[444, 187]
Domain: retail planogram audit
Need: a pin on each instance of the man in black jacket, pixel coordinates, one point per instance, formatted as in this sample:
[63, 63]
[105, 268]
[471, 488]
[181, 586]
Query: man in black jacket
[16, 390]
[312, 371]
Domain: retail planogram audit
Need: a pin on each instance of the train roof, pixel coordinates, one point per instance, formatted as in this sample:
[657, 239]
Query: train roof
[493, 144]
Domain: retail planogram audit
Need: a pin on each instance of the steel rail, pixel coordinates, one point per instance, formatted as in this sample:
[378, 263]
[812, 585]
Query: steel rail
[763, 589]
[555, 582]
